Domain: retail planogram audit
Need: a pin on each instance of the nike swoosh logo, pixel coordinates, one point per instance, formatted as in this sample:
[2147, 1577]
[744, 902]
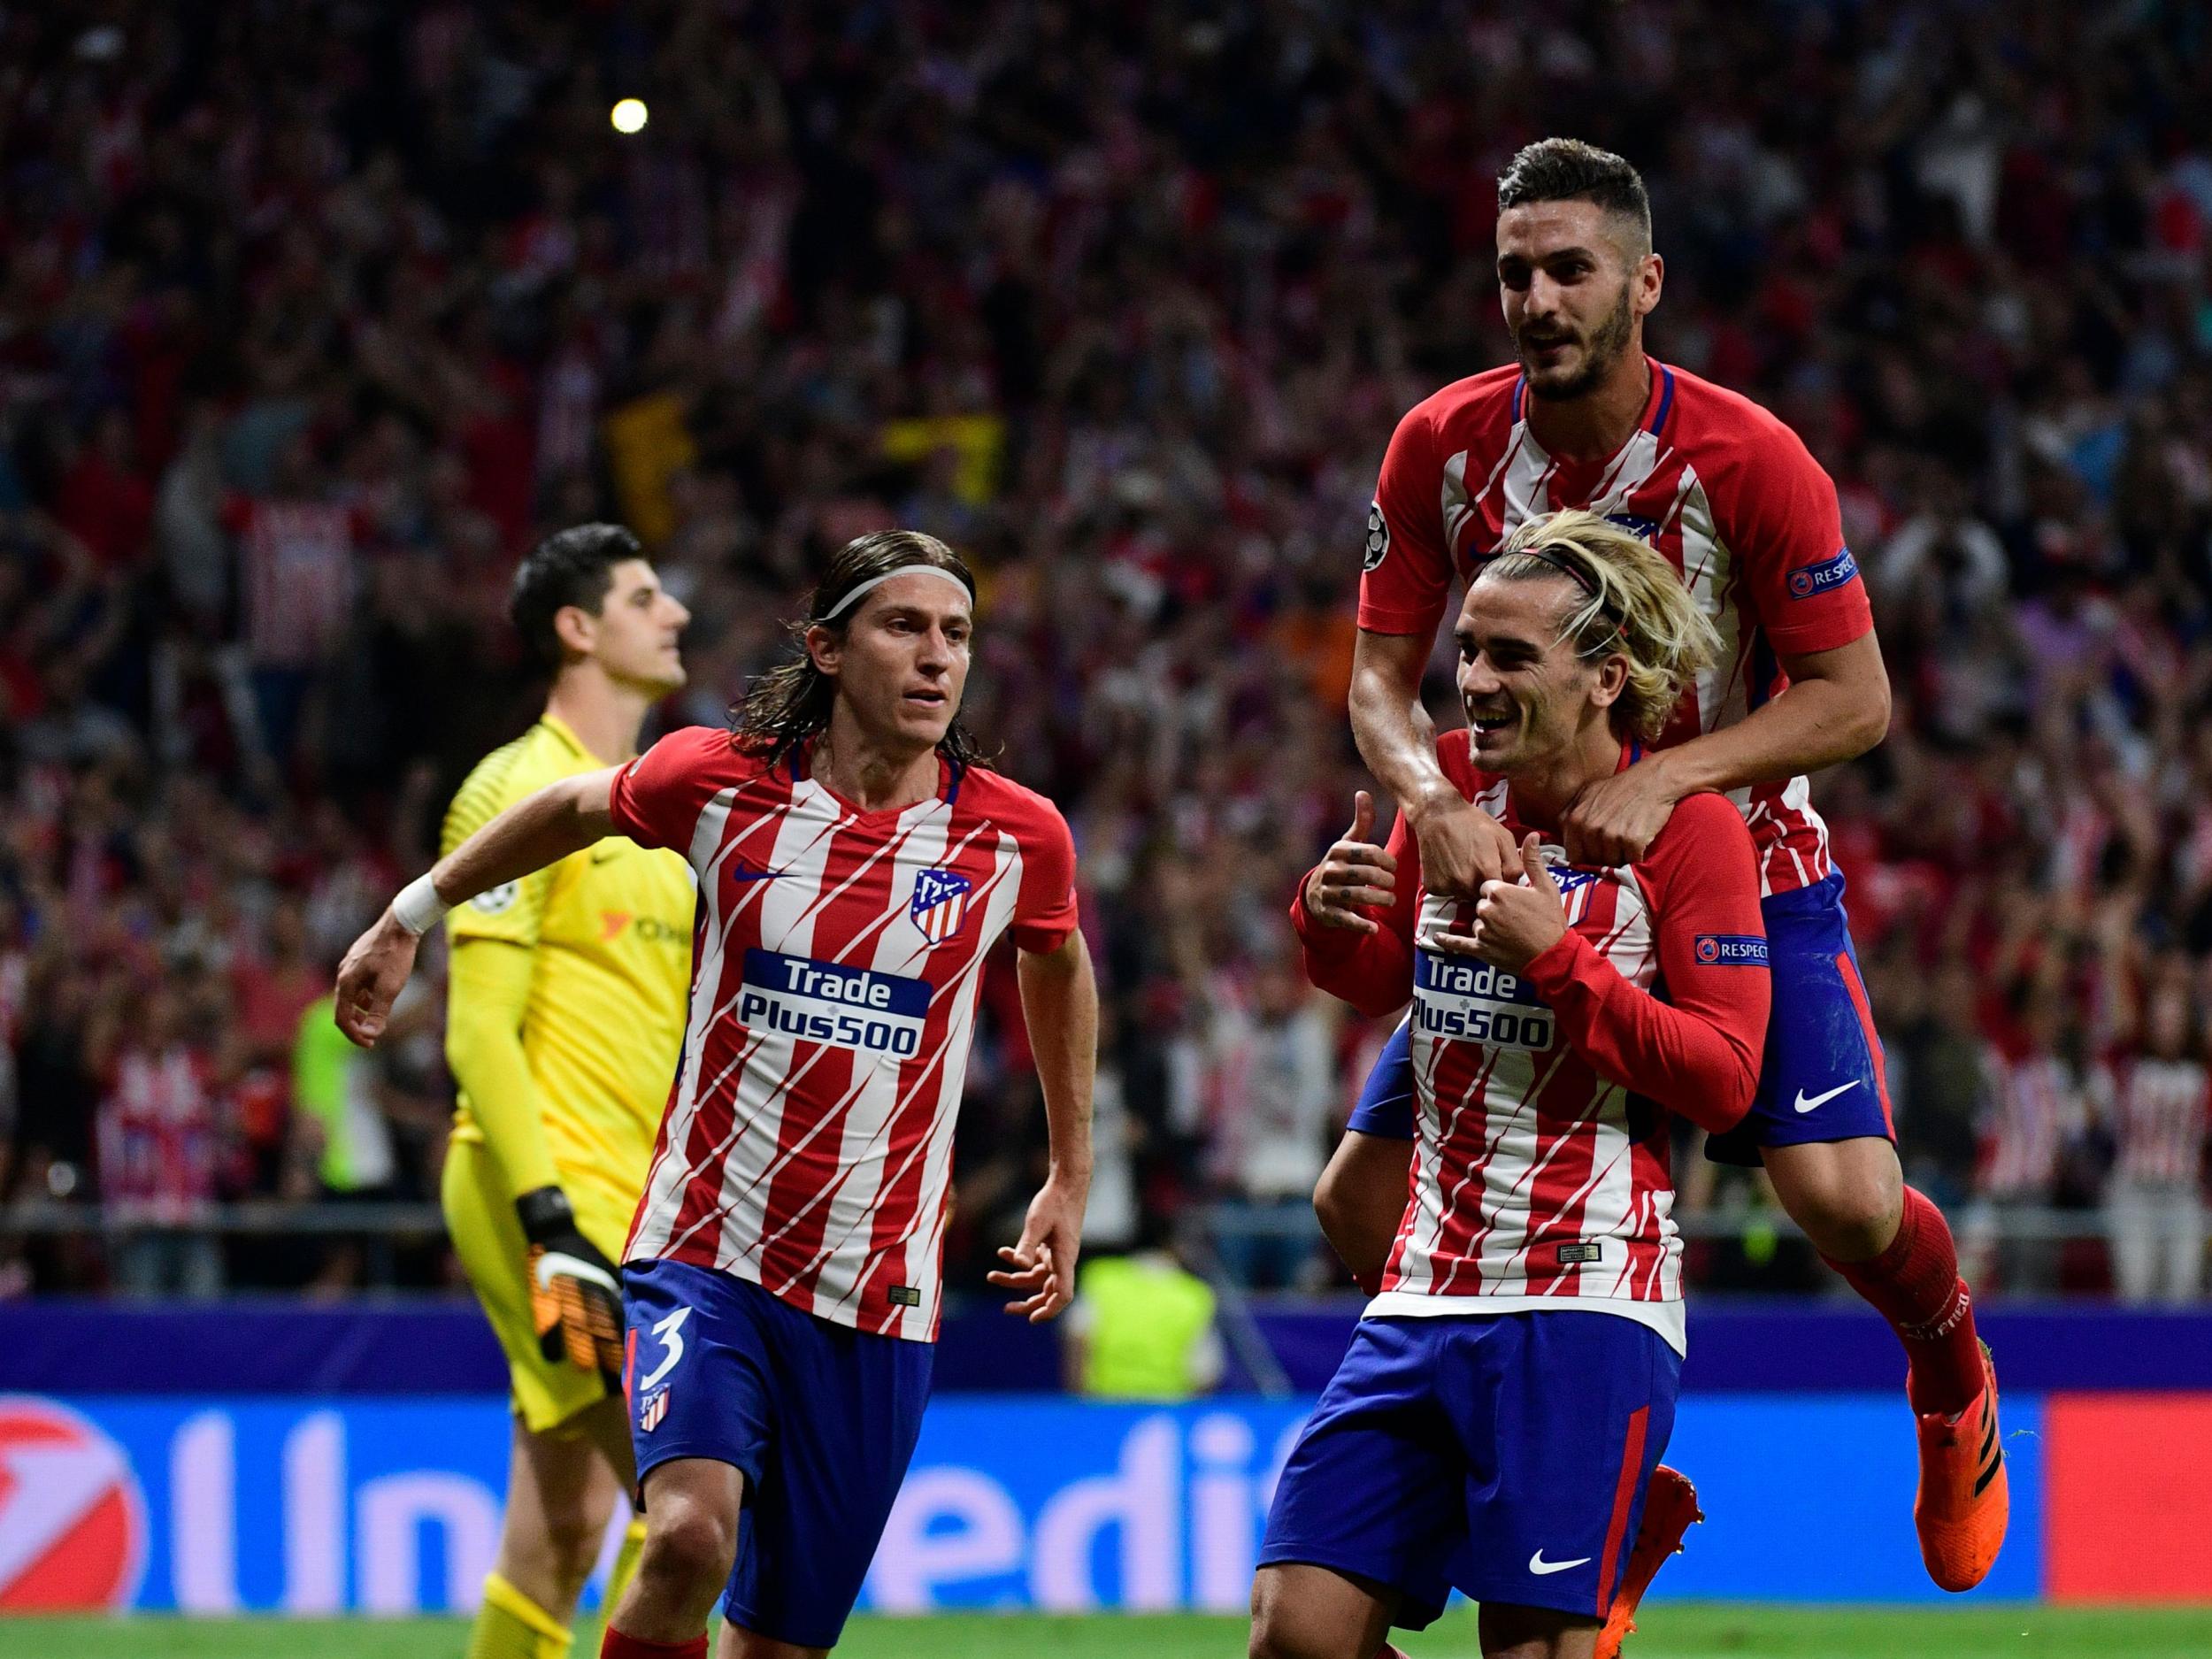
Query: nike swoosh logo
[1538, 1565]
[1805, 1105]
[758, 875]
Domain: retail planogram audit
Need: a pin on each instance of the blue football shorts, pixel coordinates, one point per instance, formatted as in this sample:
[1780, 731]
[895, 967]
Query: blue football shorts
[820, 1419]
[1505, 1455]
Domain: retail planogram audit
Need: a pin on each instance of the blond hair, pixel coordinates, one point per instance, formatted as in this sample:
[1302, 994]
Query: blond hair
[1633, 603]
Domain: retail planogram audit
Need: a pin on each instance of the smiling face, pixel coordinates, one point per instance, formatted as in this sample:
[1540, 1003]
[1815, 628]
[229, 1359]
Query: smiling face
[902, 662]
[1576, 286]
[636, 639]
[1529, 698]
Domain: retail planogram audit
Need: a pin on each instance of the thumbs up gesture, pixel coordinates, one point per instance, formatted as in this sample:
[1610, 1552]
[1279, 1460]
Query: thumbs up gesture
[1516, 920]
[1356, 873]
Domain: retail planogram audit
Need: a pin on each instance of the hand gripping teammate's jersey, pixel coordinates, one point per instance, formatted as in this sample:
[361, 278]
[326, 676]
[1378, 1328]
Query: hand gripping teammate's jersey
[1712, 481]
[808, 1141]
[609, 930]
[1540, 1169]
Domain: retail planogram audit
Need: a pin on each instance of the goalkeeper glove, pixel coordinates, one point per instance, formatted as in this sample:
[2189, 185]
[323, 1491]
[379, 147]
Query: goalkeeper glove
[575, 1292]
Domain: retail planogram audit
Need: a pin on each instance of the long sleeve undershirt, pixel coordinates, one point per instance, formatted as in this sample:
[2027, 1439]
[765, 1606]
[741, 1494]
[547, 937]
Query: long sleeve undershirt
[1697, 1052]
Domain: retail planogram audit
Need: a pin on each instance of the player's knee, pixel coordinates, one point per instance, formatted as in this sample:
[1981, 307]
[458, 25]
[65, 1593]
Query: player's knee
[1847, 1196]
[688, 1543]
[1276, 1630]
[571, 1546]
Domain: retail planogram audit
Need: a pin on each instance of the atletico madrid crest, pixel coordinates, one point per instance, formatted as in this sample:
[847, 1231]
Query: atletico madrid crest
[939, 904]
[649, 1414]
[1575, 887]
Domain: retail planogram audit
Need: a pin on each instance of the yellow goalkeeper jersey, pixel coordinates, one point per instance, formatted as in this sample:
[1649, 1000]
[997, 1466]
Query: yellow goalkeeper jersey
[609, 934]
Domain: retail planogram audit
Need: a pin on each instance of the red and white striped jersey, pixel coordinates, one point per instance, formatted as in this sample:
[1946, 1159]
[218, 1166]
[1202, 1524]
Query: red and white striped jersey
[1712, 481]
[2160, 1113]
[1540, 1176]
[836, 955]
[2039, 1104]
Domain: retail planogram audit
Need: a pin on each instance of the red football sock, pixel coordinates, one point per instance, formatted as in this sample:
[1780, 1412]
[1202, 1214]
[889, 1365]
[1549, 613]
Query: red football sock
[615, 1645]
[1914, 1284]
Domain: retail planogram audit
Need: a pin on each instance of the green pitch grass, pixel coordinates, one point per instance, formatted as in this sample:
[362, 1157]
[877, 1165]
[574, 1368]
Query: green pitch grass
[1677, 1631]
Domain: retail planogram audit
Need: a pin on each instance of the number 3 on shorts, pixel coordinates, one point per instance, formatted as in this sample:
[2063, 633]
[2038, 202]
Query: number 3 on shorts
[670, 1333]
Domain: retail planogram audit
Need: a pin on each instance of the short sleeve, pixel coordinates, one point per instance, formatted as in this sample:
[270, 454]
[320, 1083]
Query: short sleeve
[1782, 520]
[657, 799]
[1045, 908]
[1406, 571]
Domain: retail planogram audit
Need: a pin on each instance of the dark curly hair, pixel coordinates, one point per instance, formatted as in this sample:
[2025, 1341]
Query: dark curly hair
[1568, 170]
[790, 703]
[574, 566]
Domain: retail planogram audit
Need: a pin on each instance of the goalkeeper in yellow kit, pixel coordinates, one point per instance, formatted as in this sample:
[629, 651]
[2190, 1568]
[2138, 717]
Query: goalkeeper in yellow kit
[563, 1027]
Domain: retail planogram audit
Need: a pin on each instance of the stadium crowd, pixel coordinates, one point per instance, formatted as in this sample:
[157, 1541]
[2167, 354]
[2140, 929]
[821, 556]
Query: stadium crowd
[313, 318]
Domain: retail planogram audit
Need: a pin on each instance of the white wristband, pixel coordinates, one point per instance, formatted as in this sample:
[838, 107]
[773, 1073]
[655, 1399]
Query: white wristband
[418, 909]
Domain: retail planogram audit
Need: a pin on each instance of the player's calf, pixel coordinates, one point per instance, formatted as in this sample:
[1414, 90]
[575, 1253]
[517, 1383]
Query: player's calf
[691, 1512]
[1509, 1631]
[1302, 1611]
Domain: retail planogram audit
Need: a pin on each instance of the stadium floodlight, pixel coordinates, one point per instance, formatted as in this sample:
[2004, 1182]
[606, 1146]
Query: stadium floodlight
[628, 116]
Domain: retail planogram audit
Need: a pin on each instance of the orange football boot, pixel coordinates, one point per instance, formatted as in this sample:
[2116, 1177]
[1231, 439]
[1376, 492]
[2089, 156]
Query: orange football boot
[1963, 1503]
[1669, 1506]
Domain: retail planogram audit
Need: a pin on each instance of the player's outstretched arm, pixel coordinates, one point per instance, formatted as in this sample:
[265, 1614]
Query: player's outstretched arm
[1462, 846]
[1836, 708]
[561, 818]
[1060, 1003]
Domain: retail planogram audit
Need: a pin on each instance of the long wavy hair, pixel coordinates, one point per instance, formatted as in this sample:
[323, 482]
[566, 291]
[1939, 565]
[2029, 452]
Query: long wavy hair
[788, 704]
[1632, 602]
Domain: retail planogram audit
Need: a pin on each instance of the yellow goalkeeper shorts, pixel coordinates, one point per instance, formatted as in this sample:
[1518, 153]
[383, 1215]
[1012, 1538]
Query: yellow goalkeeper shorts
[480, 1213]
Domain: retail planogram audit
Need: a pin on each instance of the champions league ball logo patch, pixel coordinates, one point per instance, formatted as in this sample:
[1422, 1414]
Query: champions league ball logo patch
[939, 904]
[73, 1520]
[1378, 537]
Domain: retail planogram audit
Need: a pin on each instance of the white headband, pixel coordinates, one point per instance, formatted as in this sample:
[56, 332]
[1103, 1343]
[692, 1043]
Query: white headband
[919, 568]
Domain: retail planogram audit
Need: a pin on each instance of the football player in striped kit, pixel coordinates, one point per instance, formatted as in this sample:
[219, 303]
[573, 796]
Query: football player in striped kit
[1508, 1394]
[855, 863]
[1750, 522]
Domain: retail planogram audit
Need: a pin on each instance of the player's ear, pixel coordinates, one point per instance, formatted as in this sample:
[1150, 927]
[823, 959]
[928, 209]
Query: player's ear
[825, 648]
[577, 630]
[1610, 680]
[1651, 277]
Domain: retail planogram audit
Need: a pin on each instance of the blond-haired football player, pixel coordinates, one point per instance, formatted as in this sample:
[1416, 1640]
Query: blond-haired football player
[564, 1023]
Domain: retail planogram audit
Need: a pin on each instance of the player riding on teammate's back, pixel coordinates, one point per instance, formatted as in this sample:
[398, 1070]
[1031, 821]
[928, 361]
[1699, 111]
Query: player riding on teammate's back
[1750, 523]
[856, 864]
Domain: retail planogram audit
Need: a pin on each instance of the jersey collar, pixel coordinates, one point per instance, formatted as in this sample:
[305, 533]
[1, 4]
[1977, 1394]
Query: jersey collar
[1632, 751]
[562, 730]
[1658, 405]
[949, 774]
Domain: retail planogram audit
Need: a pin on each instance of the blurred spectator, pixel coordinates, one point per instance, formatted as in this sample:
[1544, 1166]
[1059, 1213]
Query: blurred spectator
[2159, 1103]
[2040, 1104]
[161, 1146]
[1273, 1082]
[335, 1083]
[1939, 1075]
[1141, 1326]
